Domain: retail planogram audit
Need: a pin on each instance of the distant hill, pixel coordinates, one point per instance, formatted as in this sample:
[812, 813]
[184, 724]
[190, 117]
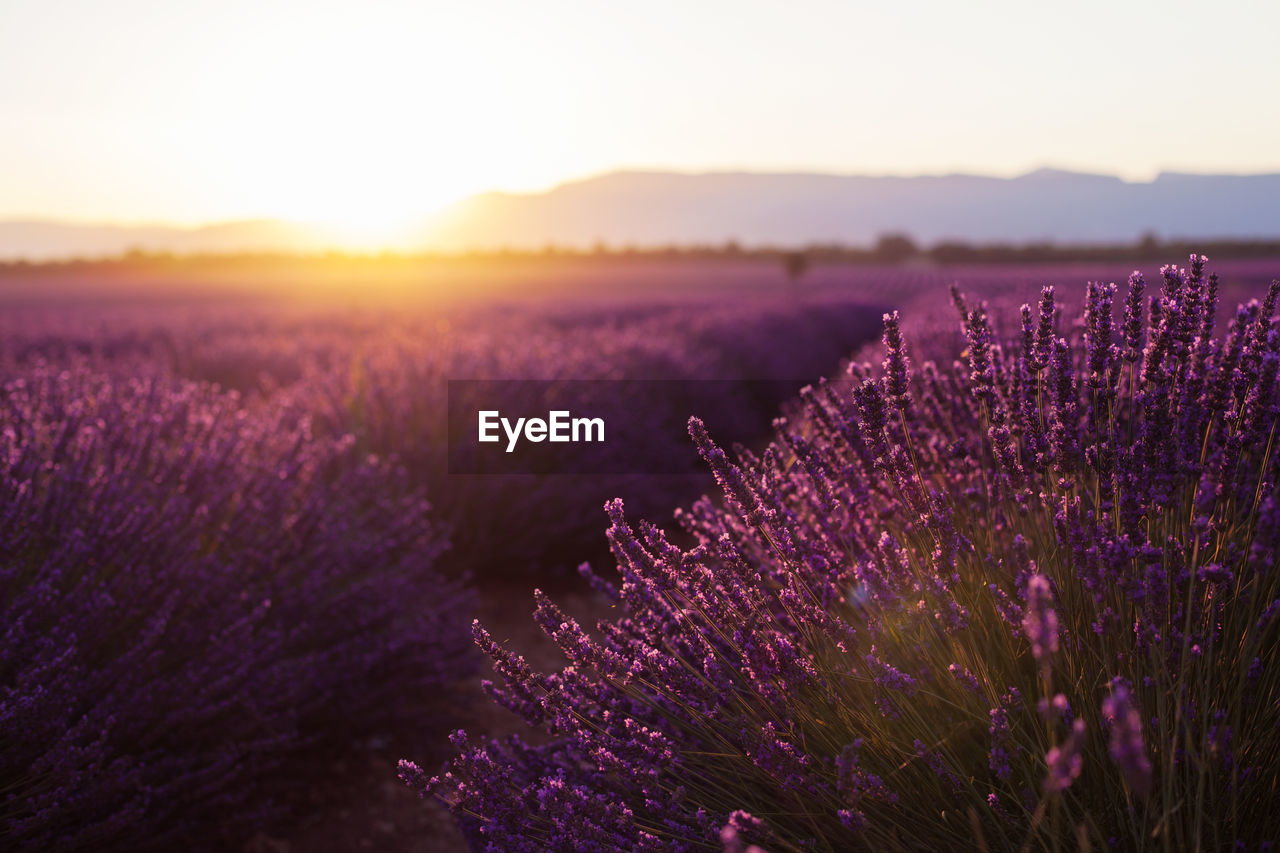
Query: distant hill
[37, 240]
[647, 208]
[657, 208]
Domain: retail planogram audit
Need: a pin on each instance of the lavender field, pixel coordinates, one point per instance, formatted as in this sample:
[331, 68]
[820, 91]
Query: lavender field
[998, 567]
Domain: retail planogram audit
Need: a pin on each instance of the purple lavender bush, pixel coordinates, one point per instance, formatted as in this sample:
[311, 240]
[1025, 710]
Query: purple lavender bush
[193, 589]
[1026, 600]
[380, 375]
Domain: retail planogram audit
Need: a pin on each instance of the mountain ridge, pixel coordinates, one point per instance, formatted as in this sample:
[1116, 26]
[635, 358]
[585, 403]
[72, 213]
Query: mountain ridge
[635, 207]
[646, 207]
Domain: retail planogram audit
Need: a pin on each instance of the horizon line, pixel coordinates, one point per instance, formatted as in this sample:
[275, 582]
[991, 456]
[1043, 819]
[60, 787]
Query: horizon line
[271, 219]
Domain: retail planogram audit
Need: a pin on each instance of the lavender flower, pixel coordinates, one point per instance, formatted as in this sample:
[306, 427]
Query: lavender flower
[1131, 328]
[1098, 330]
[981, 366]
[1045, 333]
[1065, 762]
[1125, 745]
[1040, 622]
[897, 367]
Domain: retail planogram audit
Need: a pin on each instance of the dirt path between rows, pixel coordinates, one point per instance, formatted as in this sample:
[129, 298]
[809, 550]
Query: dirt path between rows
[360, 804]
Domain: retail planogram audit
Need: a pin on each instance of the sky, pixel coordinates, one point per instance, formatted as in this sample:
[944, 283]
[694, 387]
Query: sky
[370, 115]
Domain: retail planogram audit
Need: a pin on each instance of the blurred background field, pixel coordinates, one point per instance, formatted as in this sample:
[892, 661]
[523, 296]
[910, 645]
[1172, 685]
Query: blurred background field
[356, 353]
[365, 346]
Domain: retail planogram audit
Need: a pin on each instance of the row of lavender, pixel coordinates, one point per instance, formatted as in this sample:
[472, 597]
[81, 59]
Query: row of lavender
[1030, 597]
[379, 375]
[194, 592]
[381, 378]
[217, 563]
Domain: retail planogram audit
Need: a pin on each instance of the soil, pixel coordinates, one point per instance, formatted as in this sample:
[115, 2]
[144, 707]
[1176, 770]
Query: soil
[360, 804]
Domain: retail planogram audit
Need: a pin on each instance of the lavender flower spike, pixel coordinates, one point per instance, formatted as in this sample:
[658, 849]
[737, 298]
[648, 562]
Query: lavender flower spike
[1126, 747]
[897, 367]
[1039, 621]
[1066, 761]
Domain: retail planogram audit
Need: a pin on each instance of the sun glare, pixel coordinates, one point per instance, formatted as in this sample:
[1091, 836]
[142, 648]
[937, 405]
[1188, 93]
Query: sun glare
[369, 171]
[368, 141]
[370, 230]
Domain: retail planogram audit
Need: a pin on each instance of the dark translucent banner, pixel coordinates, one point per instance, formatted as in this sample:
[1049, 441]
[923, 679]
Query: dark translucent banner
[632, 426]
